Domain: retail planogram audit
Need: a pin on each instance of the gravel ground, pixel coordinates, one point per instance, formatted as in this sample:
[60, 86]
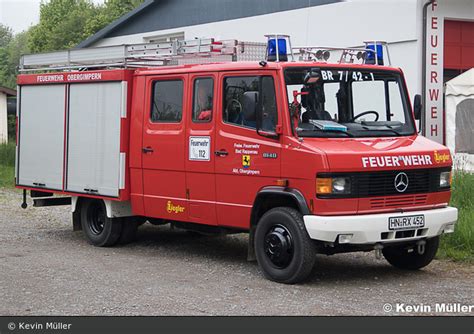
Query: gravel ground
[47, 269]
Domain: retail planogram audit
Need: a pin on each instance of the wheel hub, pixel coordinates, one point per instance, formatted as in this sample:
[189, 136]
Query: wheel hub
[96, 219]
[279, 246]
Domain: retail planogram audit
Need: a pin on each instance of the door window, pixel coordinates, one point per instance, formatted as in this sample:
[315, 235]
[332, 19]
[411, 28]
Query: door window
[167, 101]
[239, 89]
[202, 101]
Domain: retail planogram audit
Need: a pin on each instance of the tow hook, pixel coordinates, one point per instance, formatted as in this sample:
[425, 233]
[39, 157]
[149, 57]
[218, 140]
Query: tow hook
[378, 251]
[420, 247]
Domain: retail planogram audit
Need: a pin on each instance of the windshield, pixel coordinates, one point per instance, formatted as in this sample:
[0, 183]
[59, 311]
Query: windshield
[330, 102]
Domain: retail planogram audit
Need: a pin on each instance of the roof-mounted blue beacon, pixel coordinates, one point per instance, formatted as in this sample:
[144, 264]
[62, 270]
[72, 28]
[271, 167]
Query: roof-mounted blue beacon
[375, 52]
[278, 46]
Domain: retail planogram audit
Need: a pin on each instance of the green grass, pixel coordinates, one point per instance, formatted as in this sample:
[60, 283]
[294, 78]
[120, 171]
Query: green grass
[7, 154]
[7, 164]
[459, 246]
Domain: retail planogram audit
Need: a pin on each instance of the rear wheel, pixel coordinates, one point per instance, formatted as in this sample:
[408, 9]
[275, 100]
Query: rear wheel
[409, 258]
[99, 229]
[285, 253]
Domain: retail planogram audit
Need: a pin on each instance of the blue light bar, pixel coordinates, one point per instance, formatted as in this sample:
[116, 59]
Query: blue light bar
[272, 49]
[371, 59]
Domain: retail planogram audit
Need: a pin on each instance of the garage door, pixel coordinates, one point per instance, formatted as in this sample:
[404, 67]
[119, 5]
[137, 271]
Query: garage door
[458, 45]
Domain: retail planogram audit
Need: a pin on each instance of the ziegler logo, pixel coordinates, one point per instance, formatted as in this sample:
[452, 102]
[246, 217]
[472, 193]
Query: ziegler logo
[440, 158]
[171, 208]
[401, 182]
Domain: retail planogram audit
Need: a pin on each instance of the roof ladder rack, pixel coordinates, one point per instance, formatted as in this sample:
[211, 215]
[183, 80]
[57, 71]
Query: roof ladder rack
[145, 54]
[195, 51]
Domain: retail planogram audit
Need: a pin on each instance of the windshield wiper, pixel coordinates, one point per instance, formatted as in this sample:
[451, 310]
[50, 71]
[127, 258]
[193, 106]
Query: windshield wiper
[382, 127]
[383, 130]
[315, 129]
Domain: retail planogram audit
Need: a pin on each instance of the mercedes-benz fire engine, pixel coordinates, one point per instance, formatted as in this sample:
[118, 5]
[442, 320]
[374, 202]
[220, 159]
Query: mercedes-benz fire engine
[306, 155]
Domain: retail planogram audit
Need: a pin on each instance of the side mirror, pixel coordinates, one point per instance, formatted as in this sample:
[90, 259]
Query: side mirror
[417, 107]
[253, 113]
[313, 76]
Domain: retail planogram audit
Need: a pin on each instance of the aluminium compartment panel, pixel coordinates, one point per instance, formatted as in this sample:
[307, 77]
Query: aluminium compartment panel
[93, 151]
[41, 136]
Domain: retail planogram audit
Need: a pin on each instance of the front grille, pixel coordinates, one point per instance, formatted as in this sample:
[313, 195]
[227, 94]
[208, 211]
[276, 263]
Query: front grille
[383, 183]
[398, 201]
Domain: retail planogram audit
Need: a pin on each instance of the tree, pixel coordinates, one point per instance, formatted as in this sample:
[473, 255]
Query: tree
[65, 23]
[5, 35]
[10, 54]
[61, 25]
[109, 12]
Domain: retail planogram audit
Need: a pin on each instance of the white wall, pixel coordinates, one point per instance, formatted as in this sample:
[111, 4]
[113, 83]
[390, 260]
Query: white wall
[341, 24]
[3, 119]
[399, 22]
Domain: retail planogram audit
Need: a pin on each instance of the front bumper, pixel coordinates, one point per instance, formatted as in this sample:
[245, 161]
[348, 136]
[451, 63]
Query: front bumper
[373, 228]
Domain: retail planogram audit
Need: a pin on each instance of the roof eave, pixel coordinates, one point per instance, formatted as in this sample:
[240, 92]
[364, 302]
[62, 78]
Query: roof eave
[7, 91]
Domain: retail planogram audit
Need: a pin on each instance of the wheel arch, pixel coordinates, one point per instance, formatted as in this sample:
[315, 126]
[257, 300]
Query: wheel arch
[271, 197]
[274, 196]
[114, 209]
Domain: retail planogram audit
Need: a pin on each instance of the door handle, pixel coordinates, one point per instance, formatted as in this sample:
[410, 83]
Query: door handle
[221, 153]
[147, 149]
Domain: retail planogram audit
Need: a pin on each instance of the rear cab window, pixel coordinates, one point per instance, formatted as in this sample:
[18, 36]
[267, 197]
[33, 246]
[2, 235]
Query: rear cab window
[167, 101]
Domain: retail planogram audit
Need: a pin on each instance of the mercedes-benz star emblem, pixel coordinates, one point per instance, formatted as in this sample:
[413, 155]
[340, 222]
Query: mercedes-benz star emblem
[401, 182]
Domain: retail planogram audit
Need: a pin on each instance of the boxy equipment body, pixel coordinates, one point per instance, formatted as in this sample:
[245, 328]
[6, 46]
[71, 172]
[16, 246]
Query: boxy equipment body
[306, 156]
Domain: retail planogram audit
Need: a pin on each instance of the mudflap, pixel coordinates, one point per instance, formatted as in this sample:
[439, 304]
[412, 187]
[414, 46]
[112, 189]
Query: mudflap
[251, 248]
[76, 220]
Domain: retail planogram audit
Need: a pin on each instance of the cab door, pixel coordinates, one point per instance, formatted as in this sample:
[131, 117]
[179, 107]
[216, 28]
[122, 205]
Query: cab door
[200, 158]
[163, 148]
[245, 160]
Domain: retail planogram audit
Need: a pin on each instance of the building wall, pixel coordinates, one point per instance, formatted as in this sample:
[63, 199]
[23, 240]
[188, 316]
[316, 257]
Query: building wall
[167, 14]
[3, 119]
[340, 24]
[347, 23]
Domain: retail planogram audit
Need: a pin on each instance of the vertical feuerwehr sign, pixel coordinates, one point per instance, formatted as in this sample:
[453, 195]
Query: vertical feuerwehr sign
[434, 74]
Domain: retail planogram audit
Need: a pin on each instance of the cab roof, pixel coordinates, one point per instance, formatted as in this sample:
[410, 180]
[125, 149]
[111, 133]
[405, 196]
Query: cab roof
[253, 65]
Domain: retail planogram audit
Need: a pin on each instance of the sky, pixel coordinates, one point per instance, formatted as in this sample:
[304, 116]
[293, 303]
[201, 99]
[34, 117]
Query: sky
[21, 14]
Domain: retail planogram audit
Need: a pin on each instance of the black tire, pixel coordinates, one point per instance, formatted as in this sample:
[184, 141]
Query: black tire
[129, 230]
[285, 253]
[400, 257]
[100, 230]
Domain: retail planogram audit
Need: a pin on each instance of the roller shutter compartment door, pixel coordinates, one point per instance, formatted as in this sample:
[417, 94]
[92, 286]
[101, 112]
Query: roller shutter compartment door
[94, 138]
[41, 136]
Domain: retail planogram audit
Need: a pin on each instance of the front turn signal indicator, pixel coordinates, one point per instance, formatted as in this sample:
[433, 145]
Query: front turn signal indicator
[323, 185]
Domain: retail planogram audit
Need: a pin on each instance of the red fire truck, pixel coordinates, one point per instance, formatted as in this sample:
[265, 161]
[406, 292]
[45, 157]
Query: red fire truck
[307, 155]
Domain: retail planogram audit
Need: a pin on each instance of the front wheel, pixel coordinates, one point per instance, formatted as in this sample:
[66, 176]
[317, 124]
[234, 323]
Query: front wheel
[285, 253]
[409, 258]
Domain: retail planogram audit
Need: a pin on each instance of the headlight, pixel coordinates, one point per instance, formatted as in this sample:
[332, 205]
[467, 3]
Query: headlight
[444, 179]
[333, 185]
